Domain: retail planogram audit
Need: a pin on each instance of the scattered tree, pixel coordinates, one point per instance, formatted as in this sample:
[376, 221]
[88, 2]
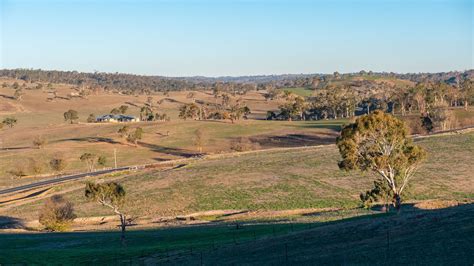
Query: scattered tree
[71, 116]
[18, 95]
[442, 118]
[115, 111]
[111, 195]
[91, 118]
[123, 131]
[199, 139]
[102, 160]
[58, 164]
[379, 142]
[9, 121]
[123, 109]
[36, 167]
[39, 142]
[57, 214]
[89, 159]
[135, 136]
[189, 110]
[17, 172]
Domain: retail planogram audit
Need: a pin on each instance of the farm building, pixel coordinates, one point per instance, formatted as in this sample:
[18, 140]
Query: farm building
[117, 118]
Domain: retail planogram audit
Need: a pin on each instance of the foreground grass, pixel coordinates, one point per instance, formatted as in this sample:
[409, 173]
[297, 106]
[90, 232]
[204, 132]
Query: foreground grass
[438, 237]
[105, 247]
[415, 236]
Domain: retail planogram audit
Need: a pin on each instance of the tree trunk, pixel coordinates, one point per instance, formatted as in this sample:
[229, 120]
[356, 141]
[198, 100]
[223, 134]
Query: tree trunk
[397, 201]
[123, 224]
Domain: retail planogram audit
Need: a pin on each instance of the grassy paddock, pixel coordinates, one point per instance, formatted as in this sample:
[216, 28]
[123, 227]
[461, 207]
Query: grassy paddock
[305, 92]
[278, 180]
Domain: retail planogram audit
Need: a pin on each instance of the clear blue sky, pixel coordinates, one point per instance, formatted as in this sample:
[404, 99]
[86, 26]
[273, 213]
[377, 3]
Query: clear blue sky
[214, 38]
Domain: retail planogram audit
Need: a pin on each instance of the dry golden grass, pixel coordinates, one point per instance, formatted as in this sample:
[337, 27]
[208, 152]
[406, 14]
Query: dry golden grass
[161, 140]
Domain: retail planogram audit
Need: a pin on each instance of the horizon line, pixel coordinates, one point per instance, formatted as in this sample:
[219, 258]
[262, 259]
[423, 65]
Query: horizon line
[237, 76]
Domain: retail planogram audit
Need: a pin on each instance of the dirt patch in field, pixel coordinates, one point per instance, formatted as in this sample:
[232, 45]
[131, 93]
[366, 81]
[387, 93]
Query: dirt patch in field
[7, 108]
[436, 204]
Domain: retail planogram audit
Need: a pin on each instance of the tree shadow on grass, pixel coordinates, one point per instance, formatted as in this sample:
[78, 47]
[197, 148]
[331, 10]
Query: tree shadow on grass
[33, 194]
[7, 97]
[167, 150]
[92, 140]
[15, 148]
[295, 140]
[335, 126]
[7, 222]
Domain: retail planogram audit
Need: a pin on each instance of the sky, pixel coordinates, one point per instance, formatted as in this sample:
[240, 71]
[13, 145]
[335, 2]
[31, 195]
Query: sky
[233, 38]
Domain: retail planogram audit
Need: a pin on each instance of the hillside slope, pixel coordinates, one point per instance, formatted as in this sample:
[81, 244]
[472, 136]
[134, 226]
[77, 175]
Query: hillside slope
[277, 180]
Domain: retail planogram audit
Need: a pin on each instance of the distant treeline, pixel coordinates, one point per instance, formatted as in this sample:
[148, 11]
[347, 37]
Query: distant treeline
[131, 84]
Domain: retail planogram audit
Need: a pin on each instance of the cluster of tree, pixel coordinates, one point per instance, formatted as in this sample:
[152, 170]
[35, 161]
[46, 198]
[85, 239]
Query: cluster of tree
[228, 109]
[147, 114]
[9, 122]
[19, 90]
[132, 84]
[120, 110]
[90, 159]
[125, 83]
[36, 166]
[132, 136]
[355, 98]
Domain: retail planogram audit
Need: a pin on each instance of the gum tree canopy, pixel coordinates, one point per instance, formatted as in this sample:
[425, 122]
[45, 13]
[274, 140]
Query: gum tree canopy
[111, 195]
[379, 143]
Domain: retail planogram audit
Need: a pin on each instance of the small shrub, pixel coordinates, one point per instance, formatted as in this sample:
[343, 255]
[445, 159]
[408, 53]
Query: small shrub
[57, 214]
[17, 172]
[102, 160]
[35, 166]
[39, 142]
[58, 164]
[91, 118]
[243, 144]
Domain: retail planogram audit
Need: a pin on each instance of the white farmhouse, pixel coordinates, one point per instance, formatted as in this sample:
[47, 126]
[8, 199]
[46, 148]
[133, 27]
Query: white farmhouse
[110, 118]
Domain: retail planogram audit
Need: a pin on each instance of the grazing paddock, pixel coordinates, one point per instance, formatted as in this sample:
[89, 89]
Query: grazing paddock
[274, 180]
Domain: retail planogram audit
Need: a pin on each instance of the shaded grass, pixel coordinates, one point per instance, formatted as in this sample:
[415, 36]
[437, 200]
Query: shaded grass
[360, 237]
[167, 243]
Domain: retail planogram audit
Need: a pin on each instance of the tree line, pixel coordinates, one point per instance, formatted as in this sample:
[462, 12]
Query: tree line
[430, 100]
[138, 84]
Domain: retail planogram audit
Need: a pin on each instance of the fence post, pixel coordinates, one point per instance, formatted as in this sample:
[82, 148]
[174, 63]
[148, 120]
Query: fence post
[388, 245]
